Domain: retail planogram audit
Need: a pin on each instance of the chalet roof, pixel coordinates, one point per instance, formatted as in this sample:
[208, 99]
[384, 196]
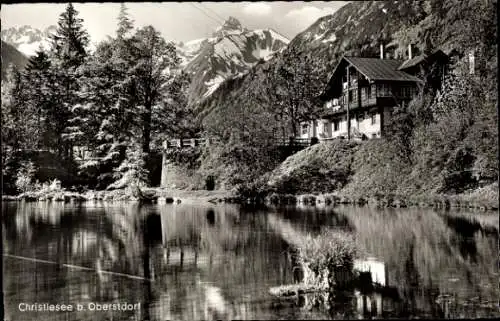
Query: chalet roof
[437, 54]
[381, 69]
[412, 62]
[374, 69]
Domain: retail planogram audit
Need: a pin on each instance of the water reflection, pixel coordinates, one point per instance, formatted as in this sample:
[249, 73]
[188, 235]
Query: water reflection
[428, 262]
[187, 262]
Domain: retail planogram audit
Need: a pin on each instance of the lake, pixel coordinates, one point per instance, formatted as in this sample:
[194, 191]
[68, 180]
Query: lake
[118, 261]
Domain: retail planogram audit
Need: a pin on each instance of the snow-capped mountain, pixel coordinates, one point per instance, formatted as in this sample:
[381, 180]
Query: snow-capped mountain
[231, 51]
[27, 39]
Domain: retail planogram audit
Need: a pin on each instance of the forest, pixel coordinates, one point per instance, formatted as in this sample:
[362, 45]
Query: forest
[117, 103]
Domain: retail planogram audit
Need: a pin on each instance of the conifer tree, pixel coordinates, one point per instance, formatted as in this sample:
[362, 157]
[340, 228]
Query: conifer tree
[105, 119]
[68, 52]
[38, 95]
[70, 41]
[125, 24]
[12, 90]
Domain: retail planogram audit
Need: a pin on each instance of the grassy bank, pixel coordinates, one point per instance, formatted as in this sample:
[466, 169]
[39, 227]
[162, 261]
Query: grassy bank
[341, 172]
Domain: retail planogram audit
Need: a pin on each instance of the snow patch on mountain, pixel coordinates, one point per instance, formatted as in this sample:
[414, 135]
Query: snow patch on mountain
[30, 49]
[331, 38]
[232, 51]
[27, 39]
[213, 84]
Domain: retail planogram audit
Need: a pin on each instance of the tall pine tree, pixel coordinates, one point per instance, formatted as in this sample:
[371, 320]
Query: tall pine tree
[70, 41]
[69, 50]
[38, 96]
[105, 120]
[125, 24]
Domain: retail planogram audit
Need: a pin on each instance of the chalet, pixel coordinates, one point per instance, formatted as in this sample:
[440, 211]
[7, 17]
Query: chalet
[362, 92]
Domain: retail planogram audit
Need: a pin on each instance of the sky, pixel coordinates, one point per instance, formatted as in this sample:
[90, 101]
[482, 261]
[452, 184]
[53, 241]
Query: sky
[177, 21]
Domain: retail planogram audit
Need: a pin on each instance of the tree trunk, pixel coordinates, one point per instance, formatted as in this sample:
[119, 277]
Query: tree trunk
[146, 134]
[294, 128]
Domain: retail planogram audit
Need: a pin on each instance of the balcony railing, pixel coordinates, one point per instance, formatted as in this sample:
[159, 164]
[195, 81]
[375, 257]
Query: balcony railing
[352, 105]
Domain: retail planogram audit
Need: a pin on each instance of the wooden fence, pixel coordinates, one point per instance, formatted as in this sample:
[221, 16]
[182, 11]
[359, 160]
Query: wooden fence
[194, 142]
[186, 142]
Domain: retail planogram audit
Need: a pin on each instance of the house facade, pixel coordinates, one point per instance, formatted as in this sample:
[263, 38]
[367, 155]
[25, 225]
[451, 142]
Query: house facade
[362, 92]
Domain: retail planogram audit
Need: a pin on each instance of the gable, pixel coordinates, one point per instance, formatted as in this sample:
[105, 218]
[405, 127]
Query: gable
[373, 69]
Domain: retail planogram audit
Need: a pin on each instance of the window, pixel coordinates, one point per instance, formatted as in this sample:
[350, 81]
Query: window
[353, 96]
[373, 92]
[336, 125]
[364, 93]
[384, 90]
[413, 91]
[374, 119]
[405, 91]
[325, 127]
[304, 129]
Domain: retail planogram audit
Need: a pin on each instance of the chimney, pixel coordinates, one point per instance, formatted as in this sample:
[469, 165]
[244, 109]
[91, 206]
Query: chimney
[381, 51]
[409, 52]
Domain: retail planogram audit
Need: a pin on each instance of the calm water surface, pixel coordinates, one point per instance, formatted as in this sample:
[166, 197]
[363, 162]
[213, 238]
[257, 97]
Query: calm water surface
[189, 262]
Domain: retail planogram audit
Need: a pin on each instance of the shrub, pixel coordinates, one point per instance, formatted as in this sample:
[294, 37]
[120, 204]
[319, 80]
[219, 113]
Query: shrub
[327, 259]
[132, 171]
[25, 177]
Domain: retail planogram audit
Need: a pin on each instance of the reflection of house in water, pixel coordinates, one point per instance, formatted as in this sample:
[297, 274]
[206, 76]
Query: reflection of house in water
[372, 291]
[377, 269]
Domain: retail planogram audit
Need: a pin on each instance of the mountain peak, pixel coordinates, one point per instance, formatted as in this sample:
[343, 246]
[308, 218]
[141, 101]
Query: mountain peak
[231, 25]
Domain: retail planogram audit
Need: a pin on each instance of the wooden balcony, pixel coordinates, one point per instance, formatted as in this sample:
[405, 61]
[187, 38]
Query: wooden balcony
[342, 107]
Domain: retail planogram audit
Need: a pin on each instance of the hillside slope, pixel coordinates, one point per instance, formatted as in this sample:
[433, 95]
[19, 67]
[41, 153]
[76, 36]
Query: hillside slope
[11, 55]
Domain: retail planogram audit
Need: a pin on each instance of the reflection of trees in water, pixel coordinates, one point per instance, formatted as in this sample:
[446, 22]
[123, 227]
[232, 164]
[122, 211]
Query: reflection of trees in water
[425, 252]
[77, 245]
[466, 228]
[235, 256]
[311, 219]
[425, 255]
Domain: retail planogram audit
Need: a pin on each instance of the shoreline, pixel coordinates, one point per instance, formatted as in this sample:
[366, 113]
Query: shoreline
[163, 196]
[384, 201]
